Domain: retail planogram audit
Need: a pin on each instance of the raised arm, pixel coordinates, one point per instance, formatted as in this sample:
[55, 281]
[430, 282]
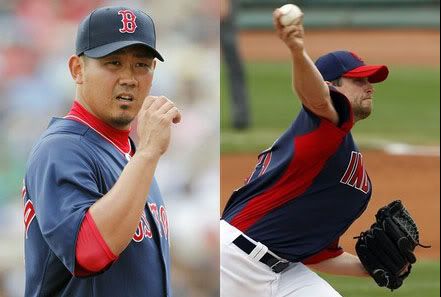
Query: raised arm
[307, 81]
[118, 212]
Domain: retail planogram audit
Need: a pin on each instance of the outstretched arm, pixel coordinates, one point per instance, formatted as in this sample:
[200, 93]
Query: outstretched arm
[307, 80]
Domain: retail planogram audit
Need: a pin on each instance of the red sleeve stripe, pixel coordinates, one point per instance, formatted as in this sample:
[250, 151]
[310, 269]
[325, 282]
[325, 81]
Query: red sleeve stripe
[92, 252]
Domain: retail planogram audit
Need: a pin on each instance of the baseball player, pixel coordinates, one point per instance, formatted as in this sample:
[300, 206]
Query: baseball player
[96, 224]
[307, 188]
[240, 110]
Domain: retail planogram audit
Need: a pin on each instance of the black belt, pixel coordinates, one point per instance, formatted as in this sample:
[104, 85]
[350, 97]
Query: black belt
[272, 262]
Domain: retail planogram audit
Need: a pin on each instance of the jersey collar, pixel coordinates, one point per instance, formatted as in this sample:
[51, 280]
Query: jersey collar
[119, 138]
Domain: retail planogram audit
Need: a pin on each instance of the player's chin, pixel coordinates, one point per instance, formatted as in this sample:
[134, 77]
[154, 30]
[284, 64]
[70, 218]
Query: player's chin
[124, 117]
[362, 111]
[367, 104]
[122, 120]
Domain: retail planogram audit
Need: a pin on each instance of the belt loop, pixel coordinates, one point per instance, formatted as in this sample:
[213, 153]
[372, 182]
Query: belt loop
[259, 251]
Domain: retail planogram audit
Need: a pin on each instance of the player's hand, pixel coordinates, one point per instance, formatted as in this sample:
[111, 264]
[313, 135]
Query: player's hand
[154, 124]
[292, 35]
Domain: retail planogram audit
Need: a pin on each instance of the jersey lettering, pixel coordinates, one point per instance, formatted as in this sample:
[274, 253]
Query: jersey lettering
[164, 221]
[154, 210]
[263, 161]
[29, 215]
[266, 162]
[350, 168]
[160, 216]
[259, 161]
[23, 193]
[355, 174]
[143, 229]
[128, 20]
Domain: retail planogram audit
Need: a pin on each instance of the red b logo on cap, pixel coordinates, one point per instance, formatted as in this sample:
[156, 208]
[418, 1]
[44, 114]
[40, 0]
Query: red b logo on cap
[128, 20]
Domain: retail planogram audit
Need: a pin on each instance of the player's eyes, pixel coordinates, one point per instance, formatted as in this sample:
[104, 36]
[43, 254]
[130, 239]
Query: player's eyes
[143, 65]
[116, 63]
[360, 81]
[139, 65]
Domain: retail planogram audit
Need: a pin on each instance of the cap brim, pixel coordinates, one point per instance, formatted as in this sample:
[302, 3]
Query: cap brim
[107, 49]
[374, 73]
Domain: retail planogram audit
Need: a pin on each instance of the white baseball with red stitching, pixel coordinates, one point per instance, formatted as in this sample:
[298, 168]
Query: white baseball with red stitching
[290, 13]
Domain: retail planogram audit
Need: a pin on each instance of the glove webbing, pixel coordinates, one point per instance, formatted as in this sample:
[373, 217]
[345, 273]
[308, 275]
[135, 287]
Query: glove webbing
[403, 219]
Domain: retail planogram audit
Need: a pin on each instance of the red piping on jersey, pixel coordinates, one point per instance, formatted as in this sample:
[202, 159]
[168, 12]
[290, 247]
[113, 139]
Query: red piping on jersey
[92, 253]
[119, 138]
[312, 151]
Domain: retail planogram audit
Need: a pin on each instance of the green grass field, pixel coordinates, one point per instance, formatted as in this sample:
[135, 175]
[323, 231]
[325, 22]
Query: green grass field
[423, 282]
[406, 108]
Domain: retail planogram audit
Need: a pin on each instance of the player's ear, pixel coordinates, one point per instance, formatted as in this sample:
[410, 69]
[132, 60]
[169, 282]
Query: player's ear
[76, 68]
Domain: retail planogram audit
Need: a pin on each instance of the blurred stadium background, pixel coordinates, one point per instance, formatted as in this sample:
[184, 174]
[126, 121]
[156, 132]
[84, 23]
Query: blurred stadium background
[37, 38]
[404, 34]
[400, 140]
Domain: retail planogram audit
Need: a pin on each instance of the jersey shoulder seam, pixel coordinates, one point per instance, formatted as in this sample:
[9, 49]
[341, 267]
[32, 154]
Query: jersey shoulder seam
[76, 139]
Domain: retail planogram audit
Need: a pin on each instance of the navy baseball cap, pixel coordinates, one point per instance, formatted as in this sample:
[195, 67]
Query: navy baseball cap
[109, 29]
[347, 64]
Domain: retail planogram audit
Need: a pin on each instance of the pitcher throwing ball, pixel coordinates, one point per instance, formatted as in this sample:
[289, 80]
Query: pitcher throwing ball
[307, 188]
[95, 221]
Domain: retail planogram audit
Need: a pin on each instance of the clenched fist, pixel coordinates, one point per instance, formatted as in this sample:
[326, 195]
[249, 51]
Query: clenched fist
[154, 122]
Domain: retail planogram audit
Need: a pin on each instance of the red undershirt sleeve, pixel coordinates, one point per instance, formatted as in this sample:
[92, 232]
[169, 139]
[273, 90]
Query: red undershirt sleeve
[332, 251]
[92, 253]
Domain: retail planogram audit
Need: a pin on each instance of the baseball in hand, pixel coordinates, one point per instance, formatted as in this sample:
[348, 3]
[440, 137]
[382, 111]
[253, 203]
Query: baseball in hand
[290, 13]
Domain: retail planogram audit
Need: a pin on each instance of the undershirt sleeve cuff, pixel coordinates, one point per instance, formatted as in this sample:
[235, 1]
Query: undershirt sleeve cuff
[92, 253]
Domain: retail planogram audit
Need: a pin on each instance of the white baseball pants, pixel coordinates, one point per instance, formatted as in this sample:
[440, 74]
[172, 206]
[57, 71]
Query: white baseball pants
[242, 275]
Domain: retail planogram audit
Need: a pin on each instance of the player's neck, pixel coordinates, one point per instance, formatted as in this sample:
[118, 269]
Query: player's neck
[118, 137]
